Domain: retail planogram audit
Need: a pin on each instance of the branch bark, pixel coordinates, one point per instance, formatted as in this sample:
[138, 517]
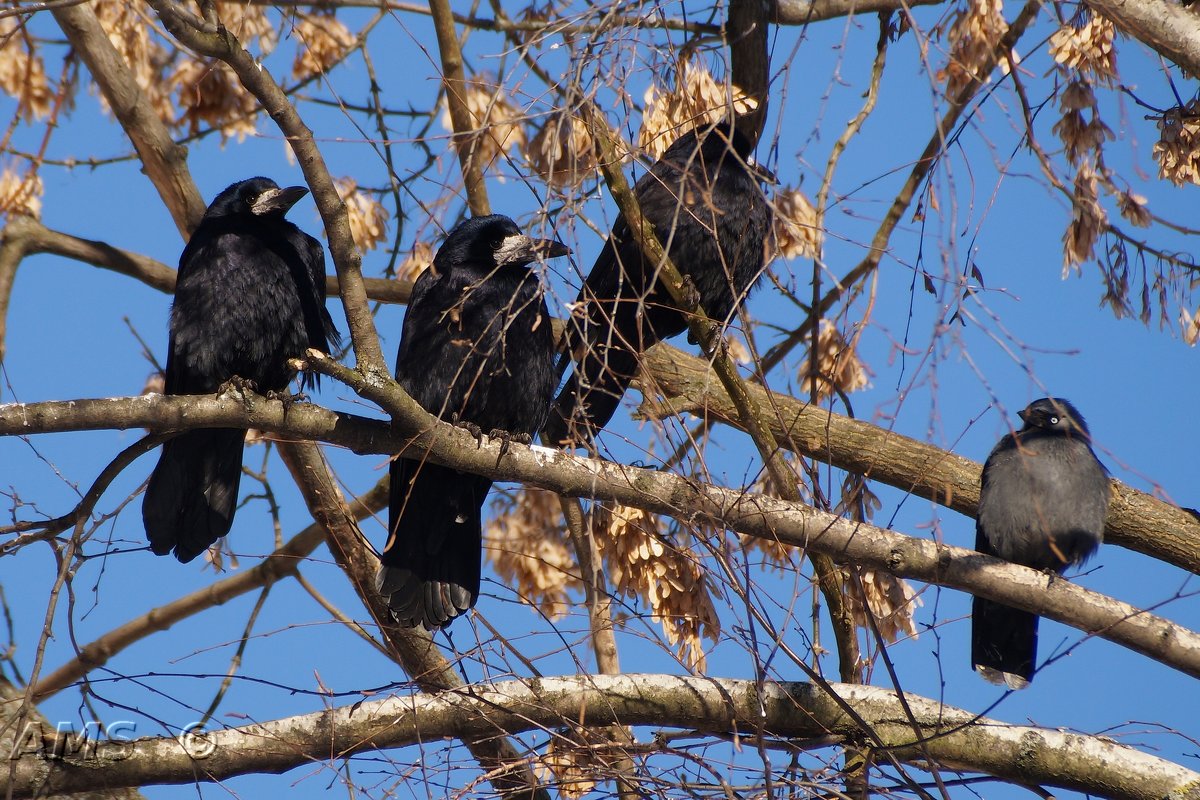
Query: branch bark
[413, 649]
[1136, 520]
[164, 162]
[663, 493]
[257, 80]
[455, 82]
[27, 236]
[792, 711]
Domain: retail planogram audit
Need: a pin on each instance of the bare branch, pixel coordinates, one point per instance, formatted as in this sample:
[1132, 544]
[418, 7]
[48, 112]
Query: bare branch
[412, 648]
[258, 81]
[802, 12]
[663, 493]
[280, 564]
[27, 236]
[455, 83]
[790, 711]
[712, 342]
[164, 162]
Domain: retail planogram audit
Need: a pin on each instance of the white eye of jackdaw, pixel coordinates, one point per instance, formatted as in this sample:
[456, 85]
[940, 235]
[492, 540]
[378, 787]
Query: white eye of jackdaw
[1054, 420]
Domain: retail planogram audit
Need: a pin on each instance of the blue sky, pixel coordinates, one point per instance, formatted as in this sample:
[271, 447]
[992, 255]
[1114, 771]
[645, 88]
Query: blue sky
[1028, 333]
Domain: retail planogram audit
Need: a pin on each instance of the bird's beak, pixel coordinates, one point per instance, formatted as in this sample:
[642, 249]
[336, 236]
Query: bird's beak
[521, 249]
[548, 248]
[1024, 415]
[278, 200]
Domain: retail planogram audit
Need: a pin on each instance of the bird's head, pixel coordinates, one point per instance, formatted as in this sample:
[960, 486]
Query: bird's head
[1054, 415]
[259, 197]
[494, 241]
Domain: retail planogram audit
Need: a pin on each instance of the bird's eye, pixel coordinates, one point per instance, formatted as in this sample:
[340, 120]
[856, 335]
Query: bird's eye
[1054, 420]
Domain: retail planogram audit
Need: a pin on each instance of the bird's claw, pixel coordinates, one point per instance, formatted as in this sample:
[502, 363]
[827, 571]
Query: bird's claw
[286, 397]
[241, 386]
[506, 439]
[471, 428]
[691, 295]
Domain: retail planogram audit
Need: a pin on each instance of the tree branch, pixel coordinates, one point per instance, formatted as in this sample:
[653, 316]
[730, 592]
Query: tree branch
[663, 493]
[257, 80]
[455, 83]
[790, 711]
[1136, 520]
[802, 12]
[164, 162]
[412, 648]
[28, 236]
[712, 342]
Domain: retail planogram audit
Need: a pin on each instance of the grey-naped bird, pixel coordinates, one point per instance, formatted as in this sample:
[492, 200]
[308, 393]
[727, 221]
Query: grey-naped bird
[476, 347]
[1042, 504]
[250, 296]
[706, 205]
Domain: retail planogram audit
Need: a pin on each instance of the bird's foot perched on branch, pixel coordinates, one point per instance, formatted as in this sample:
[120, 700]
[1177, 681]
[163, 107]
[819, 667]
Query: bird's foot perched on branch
[469, 427]
[507, 438]
[286, 397]
[240, 386]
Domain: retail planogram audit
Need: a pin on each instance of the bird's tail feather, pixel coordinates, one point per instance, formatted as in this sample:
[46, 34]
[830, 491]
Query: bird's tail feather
[192, 494]
[431, 563]
[1003, 643]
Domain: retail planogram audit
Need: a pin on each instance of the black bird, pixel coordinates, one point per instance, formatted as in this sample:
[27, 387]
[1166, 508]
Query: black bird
[707, 208]
[477, 348]
[250, 295]
[1042, 504]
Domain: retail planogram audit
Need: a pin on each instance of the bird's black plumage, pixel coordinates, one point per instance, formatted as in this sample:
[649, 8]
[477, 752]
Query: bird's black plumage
[250, 295]
[477, 347]
[1042, 504]
[709, 211]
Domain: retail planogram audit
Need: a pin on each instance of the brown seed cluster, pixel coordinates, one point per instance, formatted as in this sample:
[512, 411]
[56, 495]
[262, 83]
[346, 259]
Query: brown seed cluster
[1189, 326]
[890, 601]
[1088, 49]
[696, 100]
[528, 546]
[1088, 219]
[368, 218]
[420, 258]
[22, 72]
[497, 123]
[795, 228]
[562, 151]
[643, 563]
[1177, 150]
[20, 193]
[838, 365]
[974, 33]
[324, 42]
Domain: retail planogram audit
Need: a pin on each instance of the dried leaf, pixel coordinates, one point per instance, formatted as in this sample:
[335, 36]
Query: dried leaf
[838, 365]
[697, 99]
[368, 218]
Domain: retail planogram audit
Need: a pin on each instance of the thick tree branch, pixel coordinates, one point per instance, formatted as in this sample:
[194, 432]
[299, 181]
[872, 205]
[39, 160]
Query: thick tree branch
[27, 236]
[802, 12]
[1136, 520]
[164, 162]
[412, 648]
[15, 730]
[787, 712]
[663, 493]
[223, 45]
[1172, 29]
[455, 82]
